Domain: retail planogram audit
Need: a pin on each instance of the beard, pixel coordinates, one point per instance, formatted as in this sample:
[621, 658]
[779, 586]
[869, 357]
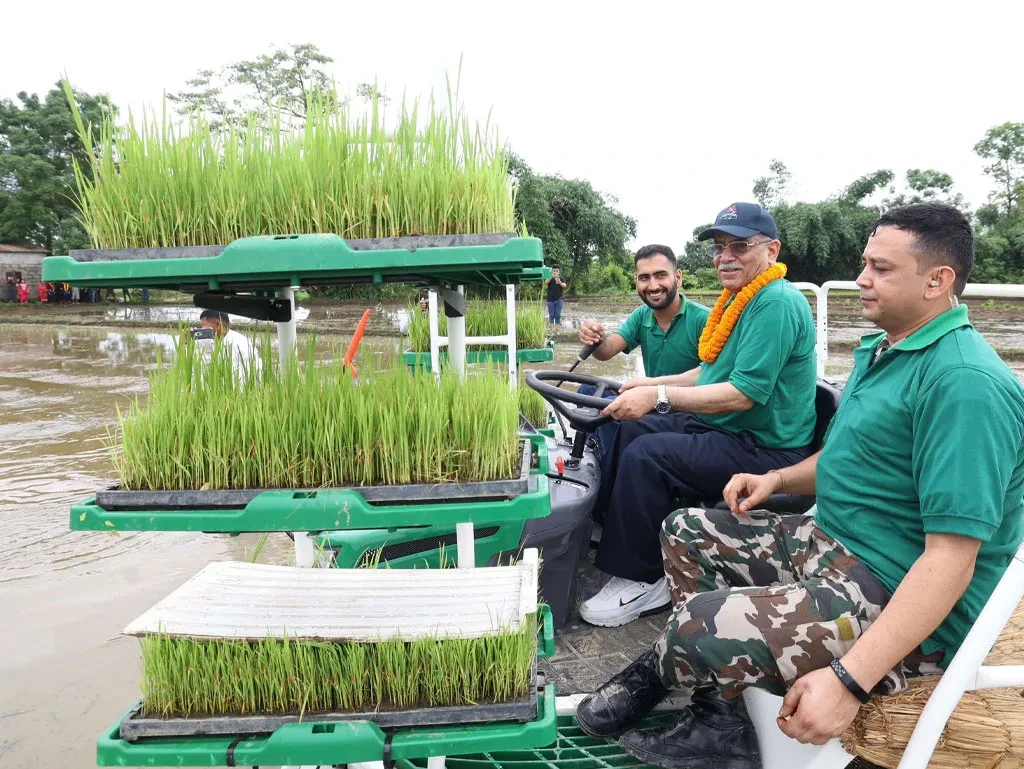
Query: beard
[670, 296]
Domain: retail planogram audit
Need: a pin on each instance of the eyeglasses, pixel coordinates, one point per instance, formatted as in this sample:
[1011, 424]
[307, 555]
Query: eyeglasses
[736, 248]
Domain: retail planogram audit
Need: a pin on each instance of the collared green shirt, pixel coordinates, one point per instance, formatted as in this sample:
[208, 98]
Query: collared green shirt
[770, 358]
[666, 352]
[929, 439]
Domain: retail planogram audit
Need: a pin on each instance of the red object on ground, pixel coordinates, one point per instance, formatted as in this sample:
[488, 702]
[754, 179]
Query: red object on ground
[560, 465]
[353, 346]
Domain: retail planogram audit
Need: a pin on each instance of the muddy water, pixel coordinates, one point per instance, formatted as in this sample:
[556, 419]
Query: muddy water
[65, 672]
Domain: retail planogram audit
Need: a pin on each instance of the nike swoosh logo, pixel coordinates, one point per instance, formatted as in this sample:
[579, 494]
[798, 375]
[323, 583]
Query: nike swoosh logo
[624, 604]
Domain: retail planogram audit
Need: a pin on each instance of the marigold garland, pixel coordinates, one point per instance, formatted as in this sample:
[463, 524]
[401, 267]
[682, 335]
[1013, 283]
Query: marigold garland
[721, 322]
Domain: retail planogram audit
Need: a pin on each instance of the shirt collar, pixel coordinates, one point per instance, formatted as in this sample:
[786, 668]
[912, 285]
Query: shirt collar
[649, 320]
[928, 334]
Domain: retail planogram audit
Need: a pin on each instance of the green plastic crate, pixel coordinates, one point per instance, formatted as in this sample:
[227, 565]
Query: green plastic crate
[329, 743]
[572, 750]
[524, 355]
[304, 260]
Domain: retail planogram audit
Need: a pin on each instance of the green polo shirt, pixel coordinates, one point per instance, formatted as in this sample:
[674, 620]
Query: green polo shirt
[770, 358]
[927, 440]
[666, 352]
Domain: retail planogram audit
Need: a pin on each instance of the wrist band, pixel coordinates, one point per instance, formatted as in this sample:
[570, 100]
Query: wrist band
[848, 682]
[782, 481]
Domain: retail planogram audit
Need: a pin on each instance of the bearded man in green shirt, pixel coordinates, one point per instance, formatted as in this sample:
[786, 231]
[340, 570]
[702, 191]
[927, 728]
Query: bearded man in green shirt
[920, 509]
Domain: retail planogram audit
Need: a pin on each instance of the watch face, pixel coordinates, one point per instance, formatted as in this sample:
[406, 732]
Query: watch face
[661, 407]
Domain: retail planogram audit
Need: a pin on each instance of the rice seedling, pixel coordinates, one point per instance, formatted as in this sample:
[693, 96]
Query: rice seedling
[484, 318]
[194, 678]
[354, 173]
[313, 425]
[532, 405]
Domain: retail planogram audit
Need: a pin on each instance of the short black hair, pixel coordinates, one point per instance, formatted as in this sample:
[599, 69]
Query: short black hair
[942, 237]
[555, 267]
[646, 252]
[223, 317]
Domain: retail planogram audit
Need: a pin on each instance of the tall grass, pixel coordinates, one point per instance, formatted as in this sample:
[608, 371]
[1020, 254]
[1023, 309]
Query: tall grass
[207, 427]
[155, 183]
[483, 318]
[186, 677]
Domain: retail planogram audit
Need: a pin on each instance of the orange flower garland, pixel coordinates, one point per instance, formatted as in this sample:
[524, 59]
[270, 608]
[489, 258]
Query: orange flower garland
[721, 322]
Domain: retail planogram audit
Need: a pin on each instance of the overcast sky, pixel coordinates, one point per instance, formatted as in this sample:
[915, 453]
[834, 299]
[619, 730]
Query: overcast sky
[672, 107]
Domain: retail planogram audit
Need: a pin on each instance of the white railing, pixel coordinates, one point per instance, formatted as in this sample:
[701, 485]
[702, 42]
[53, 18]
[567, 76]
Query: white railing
[1004, 290]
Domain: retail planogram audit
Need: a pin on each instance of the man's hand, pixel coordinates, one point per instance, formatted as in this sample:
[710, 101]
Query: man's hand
[640, 381]
[591, 332]
[817, 708]
[633, 404]
[752, 489]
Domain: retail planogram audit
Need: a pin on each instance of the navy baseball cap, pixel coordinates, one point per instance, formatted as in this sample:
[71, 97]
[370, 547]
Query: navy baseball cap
[742, 220]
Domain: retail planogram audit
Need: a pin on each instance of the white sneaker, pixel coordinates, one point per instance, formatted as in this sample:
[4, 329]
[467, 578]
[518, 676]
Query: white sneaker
[622, 600]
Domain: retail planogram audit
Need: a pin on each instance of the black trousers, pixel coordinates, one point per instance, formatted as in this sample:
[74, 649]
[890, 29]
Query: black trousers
[656, 465]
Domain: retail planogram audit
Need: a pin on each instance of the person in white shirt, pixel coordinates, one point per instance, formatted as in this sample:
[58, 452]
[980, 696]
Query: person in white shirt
[243, 354]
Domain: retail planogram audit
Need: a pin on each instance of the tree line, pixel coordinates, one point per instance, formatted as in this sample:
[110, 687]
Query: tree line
[581, 227]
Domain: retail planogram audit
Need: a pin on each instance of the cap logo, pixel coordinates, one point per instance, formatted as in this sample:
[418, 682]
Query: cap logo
[729, 213]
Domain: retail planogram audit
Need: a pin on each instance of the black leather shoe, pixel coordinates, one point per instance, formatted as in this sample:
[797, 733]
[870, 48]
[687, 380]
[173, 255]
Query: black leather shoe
[624, 700]
[711, 733]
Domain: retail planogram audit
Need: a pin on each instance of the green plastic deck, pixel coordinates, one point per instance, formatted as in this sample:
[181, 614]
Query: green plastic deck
[572, 750]
[328, 744]
[267, 262]
[524, 355]
[312, 511]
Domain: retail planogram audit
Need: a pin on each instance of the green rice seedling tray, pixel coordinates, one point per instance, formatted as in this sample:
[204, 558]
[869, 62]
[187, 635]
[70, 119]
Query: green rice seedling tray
[330, 743]
[525, 355]
[116, 498]
[316, 510]
[135, 726]
[268, 262]
[573, 748]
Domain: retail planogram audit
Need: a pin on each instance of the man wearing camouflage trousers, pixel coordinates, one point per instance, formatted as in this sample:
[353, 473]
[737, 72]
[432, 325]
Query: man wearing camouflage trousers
[920, 508]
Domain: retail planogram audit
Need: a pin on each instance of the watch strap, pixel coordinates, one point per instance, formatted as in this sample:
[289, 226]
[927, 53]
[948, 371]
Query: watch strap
[855, 688]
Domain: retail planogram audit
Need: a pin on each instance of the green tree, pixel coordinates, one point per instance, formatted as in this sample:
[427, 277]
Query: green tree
[771, 190]
[37, 179]
[285, 79]
[927, 186]
[1004, 146]
[579, 226]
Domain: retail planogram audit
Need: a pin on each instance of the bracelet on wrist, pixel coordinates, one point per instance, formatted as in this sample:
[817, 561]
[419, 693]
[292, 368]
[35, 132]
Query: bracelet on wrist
[855, 688]
[782, 480]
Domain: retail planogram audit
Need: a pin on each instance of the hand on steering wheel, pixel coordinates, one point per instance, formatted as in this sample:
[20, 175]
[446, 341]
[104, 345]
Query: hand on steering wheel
[589, 416]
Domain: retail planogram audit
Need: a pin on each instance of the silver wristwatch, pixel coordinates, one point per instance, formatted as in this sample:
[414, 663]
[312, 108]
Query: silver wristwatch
[662, 406]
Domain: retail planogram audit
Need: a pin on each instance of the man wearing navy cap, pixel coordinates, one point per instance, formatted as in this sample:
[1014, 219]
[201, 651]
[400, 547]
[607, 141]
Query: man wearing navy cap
[747, 408]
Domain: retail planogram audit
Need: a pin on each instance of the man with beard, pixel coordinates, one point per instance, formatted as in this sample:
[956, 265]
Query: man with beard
[666, 327]
[747, 408]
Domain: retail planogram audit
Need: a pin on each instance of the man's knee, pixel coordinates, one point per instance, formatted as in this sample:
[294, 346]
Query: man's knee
[681, 528]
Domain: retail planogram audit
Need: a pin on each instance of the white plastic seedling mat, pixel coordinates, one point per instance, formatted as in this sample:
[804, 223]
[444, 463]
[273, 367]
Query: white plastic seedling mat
[254, 601]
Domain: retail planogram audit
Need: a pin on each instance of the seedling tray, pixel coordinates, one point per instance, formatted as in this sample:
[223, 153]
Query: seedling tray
[268, 262]
[524, 355]
[115, 498]
[328, 743]
[325, 509]
[135, 726]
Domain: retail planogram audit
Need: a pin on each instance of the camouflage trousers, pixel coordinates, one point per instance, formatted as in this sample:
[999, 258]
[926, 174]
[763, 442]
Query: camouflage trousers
[761, 601]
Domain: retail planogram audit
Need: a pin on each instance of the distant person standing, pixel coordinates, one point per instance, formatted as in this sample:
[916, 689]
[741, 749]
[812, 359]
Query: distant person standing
[12, 289]
[555, 286]
[22, 291]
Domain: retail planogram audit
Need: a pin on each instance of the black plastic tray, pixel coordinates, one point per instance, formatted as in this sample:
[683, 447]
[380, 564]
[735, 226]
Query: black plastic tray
[236, 499]
[134, 726]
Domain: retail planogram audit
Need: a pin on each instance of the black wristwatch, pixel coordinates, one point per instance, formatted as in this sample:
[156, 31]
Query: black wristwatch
[849, 683]
[662, 405]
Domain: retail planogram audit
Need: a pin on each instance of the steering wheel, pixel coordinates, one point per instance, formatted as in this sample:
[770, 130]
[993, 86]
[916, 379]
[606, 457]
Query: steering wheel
[587, 416]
